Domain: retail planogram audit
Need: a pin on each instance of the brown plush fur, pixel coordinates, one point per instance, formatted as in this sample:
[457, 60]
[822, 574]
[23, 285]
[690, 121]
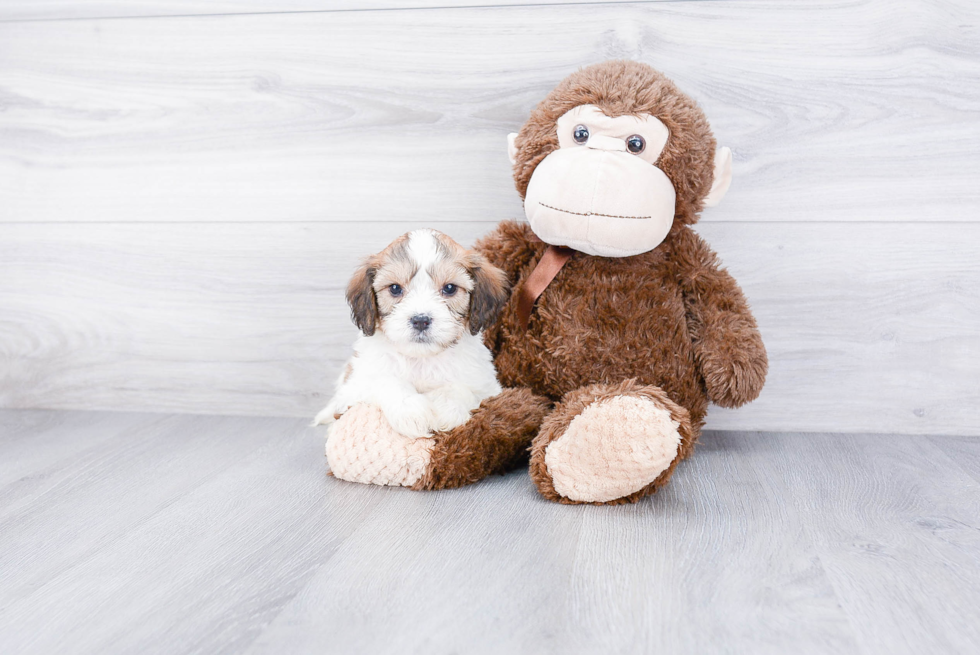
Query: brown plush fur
[668, 324]
[669, 317]
[494, 440]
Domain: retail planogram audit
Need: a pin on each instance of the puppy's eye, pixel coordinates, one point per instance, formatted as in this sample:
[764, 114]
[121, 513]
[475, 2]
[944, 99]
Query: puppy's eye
[636, 144]
[395, 290]
[449, 290]
[581, 134]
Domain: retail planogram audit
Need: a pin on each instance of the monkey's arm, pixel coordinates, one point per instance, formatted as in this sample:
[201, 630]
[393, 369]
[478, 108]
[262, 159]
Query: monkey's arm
[727, 345]
[510, 246]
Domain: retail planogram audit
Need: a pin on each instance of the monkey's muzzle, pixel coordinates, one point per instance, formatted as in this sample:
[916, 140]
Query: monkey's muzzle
[608, 203]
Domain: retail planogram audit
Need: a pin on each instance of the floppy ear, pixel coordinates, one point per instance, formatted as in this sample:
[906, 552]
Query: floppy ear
[361, 298]
[491, 290]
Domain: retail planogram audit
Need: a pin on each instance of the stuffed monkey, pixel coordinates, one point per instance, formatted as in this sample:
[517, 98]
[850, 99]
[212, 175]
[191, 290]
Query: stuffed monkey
[621, 326]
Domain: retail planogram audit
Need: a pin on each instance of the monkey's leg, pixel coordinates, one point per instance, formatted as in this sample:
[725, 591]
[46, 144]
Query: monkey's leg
[495, 439]
[610, 444]
[362, 447]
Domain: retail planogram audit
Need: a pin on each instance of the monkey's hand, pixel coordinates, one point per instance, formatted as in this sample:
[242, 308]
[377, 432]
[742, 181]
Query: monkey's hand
[731, 357]
[727, 344]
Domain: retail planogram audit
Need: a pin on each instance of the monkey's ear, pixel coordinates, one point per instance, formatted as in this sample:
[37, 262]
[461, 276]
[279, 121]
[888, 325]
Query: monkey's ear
[491, 290]
[512, 147]
[723, 177]
[360, 296]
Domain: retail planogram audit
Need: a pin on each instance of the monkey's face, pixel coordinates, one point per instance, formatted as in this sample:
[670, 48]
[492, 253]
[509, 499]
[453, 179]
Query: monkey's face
[601, 192]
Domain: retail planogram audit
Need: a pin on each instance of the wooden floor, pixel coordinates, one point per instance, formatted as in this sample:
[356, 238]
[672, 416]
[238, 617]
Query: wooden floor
[149, 533]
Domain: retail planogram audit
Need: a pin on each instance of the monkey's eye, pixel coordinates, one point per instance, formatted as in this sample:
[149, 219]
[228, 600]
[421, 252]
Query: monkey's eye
[395, 289]
[635, 144]
[581, 134]
[449, 290]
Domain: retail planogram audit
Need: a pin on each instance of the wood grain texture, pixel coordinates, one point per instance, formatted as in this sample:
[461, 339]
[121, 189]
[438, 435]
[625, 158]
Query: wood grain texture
[203, 572]
[866, 330]
[896, 529]
[34, 440]
[965, 451]
[864, 111]
[762, 543]
[461, 605]
[148, 465]
[645, 584]
[21, 10]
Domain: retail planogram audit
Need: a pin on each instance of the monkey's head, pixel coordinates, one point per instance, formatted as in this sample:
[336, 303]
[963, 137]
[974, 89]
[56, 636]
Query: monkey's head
[613, 157]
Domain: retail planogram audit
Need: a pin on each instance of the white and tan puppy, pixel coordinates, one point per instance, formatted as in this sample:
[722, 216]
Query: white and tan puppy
[421, 305]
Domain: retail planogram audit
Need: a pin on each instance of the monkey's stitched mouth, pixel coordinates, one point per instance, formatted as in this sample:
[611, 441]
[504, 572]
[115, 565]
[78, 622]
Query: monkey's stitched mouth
[565, 211]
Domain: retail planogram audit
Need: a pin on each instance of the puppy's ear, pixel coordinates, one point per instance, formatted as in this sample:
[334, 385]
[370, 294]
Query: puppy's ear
[360, 296]
[491, 291]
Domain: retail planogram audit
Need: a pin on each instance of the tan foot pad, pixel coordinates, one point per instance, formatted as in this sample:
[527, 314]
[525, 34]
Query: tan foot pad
[615, 447]
[362, 447]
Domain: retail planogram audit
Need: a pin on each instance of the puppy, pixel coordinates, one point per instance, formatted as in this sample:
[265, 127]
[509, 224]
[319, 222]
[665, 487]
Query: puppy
[421, 305]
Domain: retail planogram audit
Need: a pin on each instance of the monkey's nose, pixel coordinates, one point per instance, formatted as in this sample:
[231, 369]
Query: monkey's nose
[421, 322]
[601, 142]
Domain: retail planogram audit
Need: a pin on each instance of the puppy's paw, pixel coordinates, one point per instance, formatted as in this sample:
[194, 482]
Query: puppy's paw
[412, 417]
[330, 413]
[452, 406]
[450, 415]
[325, 417]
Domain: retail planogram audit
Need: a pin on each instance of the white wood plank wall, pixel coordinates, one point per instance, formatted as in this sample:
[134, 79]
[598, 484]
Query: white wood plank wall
[182, 197]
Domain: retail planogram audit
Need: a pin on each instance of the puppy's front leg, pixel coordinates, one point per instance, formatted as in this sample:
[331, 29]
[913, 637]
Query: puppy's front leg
[452, 404]
[412, 415]
[345, 395]
[334, 409]
[408, 411]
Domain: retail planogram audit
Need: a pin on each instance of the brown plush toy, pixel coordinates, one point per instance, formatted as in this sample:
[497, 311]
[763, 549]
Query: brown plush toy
[621, 326]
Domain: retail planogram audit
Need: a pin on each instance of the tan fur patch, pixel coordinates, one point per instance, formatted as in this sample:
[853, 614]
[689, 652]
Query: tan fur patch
[448, 247]
[452, 271]
[395, 266]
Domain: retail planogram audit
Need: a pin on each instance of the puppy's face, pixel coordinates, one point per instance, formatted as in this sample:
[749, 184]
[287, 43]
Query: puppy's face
[424, 290]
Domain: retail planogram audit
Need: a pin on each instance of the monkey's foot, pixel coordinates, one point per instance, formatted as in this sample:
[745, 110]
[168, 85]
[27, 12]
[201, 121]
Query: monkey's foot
[610, 444]
[363, 447]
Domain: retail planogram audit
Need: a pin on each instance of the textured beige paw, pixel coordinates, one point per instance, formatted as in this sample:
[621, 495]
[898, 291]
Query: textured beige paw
[614, 448]
[362, 447]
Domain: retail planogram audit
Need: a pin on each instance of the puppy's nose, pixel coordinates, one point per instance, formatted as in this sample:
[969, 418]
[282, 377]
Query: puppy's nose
[421, 322]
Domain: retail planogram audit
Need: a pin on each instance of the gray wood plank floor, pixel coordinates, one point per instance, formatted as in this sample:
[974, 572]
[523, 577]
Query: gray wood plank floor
[157, 533]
